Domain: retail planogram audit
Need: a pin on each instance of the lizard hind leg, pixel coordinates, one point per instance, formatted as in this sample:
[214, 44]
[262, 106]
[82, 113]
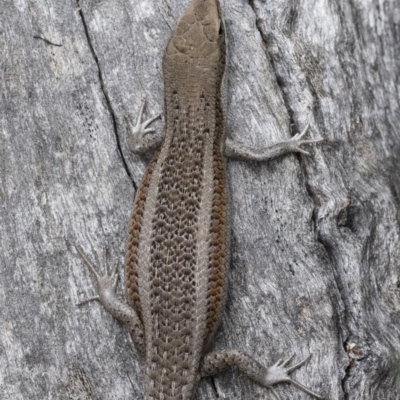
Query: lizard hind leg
[218, 361]
[106, 296]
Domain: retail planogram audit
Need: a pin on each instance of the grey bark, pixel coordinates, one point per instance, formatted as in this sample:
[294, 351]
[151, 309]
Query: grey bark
[315, 264]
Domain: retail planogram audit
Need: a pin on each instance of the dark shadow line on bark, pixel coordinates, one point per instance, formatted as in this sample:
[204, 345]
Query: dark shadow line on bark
[107, 98]
[214, 386]
[343, 322]
[47, 41]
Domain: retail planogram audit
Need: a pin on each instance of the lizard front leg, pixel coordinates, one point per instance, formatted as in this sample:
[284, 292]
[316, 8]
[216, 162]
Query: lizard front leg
[141, 138]
[107, 297]
[235, 149]
[218, 361]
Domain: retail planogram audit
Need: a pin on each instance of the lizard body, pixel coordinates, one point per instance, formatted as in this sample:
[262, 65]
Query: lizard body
[178, 248]
[177, 252]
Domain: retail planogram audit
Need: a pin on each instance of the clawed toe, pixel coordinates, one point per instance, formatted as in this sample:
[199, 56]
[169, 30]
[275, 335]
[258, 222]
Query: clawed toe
[288, 360]
[310, 141]
[87, 261]
[304, 131]
[275, 394]
[298, 136]
[148, 122]
[298, 365]
[94, 298]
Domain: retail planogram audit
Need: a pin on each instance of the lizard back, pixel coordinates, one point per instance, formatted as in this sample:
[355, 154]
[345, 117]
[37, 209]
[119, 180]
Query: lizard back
[177, 259]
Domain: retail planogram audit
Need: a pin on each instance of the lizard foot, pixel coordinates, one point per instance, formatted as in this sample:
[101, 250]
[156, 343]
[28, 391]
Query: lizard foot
[279, 373]
[296, 141]
[106, 296]
[106, 284]
[139, 140]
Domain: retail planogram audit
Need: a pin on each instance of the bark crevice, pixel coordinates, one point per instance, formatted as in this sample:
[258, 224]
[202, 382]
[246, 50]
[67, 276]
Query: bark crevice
[280, 83]
[343, 314]
[105, 94]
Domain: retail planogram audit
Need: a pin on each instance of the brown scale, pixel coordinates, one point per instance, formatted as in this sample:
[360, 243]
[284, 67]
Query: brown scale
[134, 231]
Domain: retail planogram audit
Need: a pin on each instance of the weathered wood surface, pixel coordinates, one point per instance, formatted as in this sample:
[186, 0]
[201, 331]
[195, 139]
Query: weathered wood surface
[315, 239]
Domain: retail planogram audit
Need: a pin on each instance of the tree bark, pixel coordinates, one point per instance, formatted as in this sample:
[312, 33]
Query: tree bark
[315, 262]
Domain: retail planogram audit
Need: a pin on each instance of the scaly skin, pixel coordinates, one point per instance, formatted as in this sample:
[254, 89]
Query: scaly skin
[177, 252]
[178, 248]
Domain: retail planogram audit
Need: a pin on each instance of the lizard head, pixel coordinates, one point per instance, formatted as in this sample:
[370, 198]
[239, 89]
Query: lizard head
[199, 34]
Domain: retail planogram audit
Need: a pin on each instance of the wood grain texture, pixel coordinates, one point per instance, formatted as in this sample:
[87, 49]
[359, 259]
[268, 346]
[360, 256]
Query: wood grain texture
[315, 262]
